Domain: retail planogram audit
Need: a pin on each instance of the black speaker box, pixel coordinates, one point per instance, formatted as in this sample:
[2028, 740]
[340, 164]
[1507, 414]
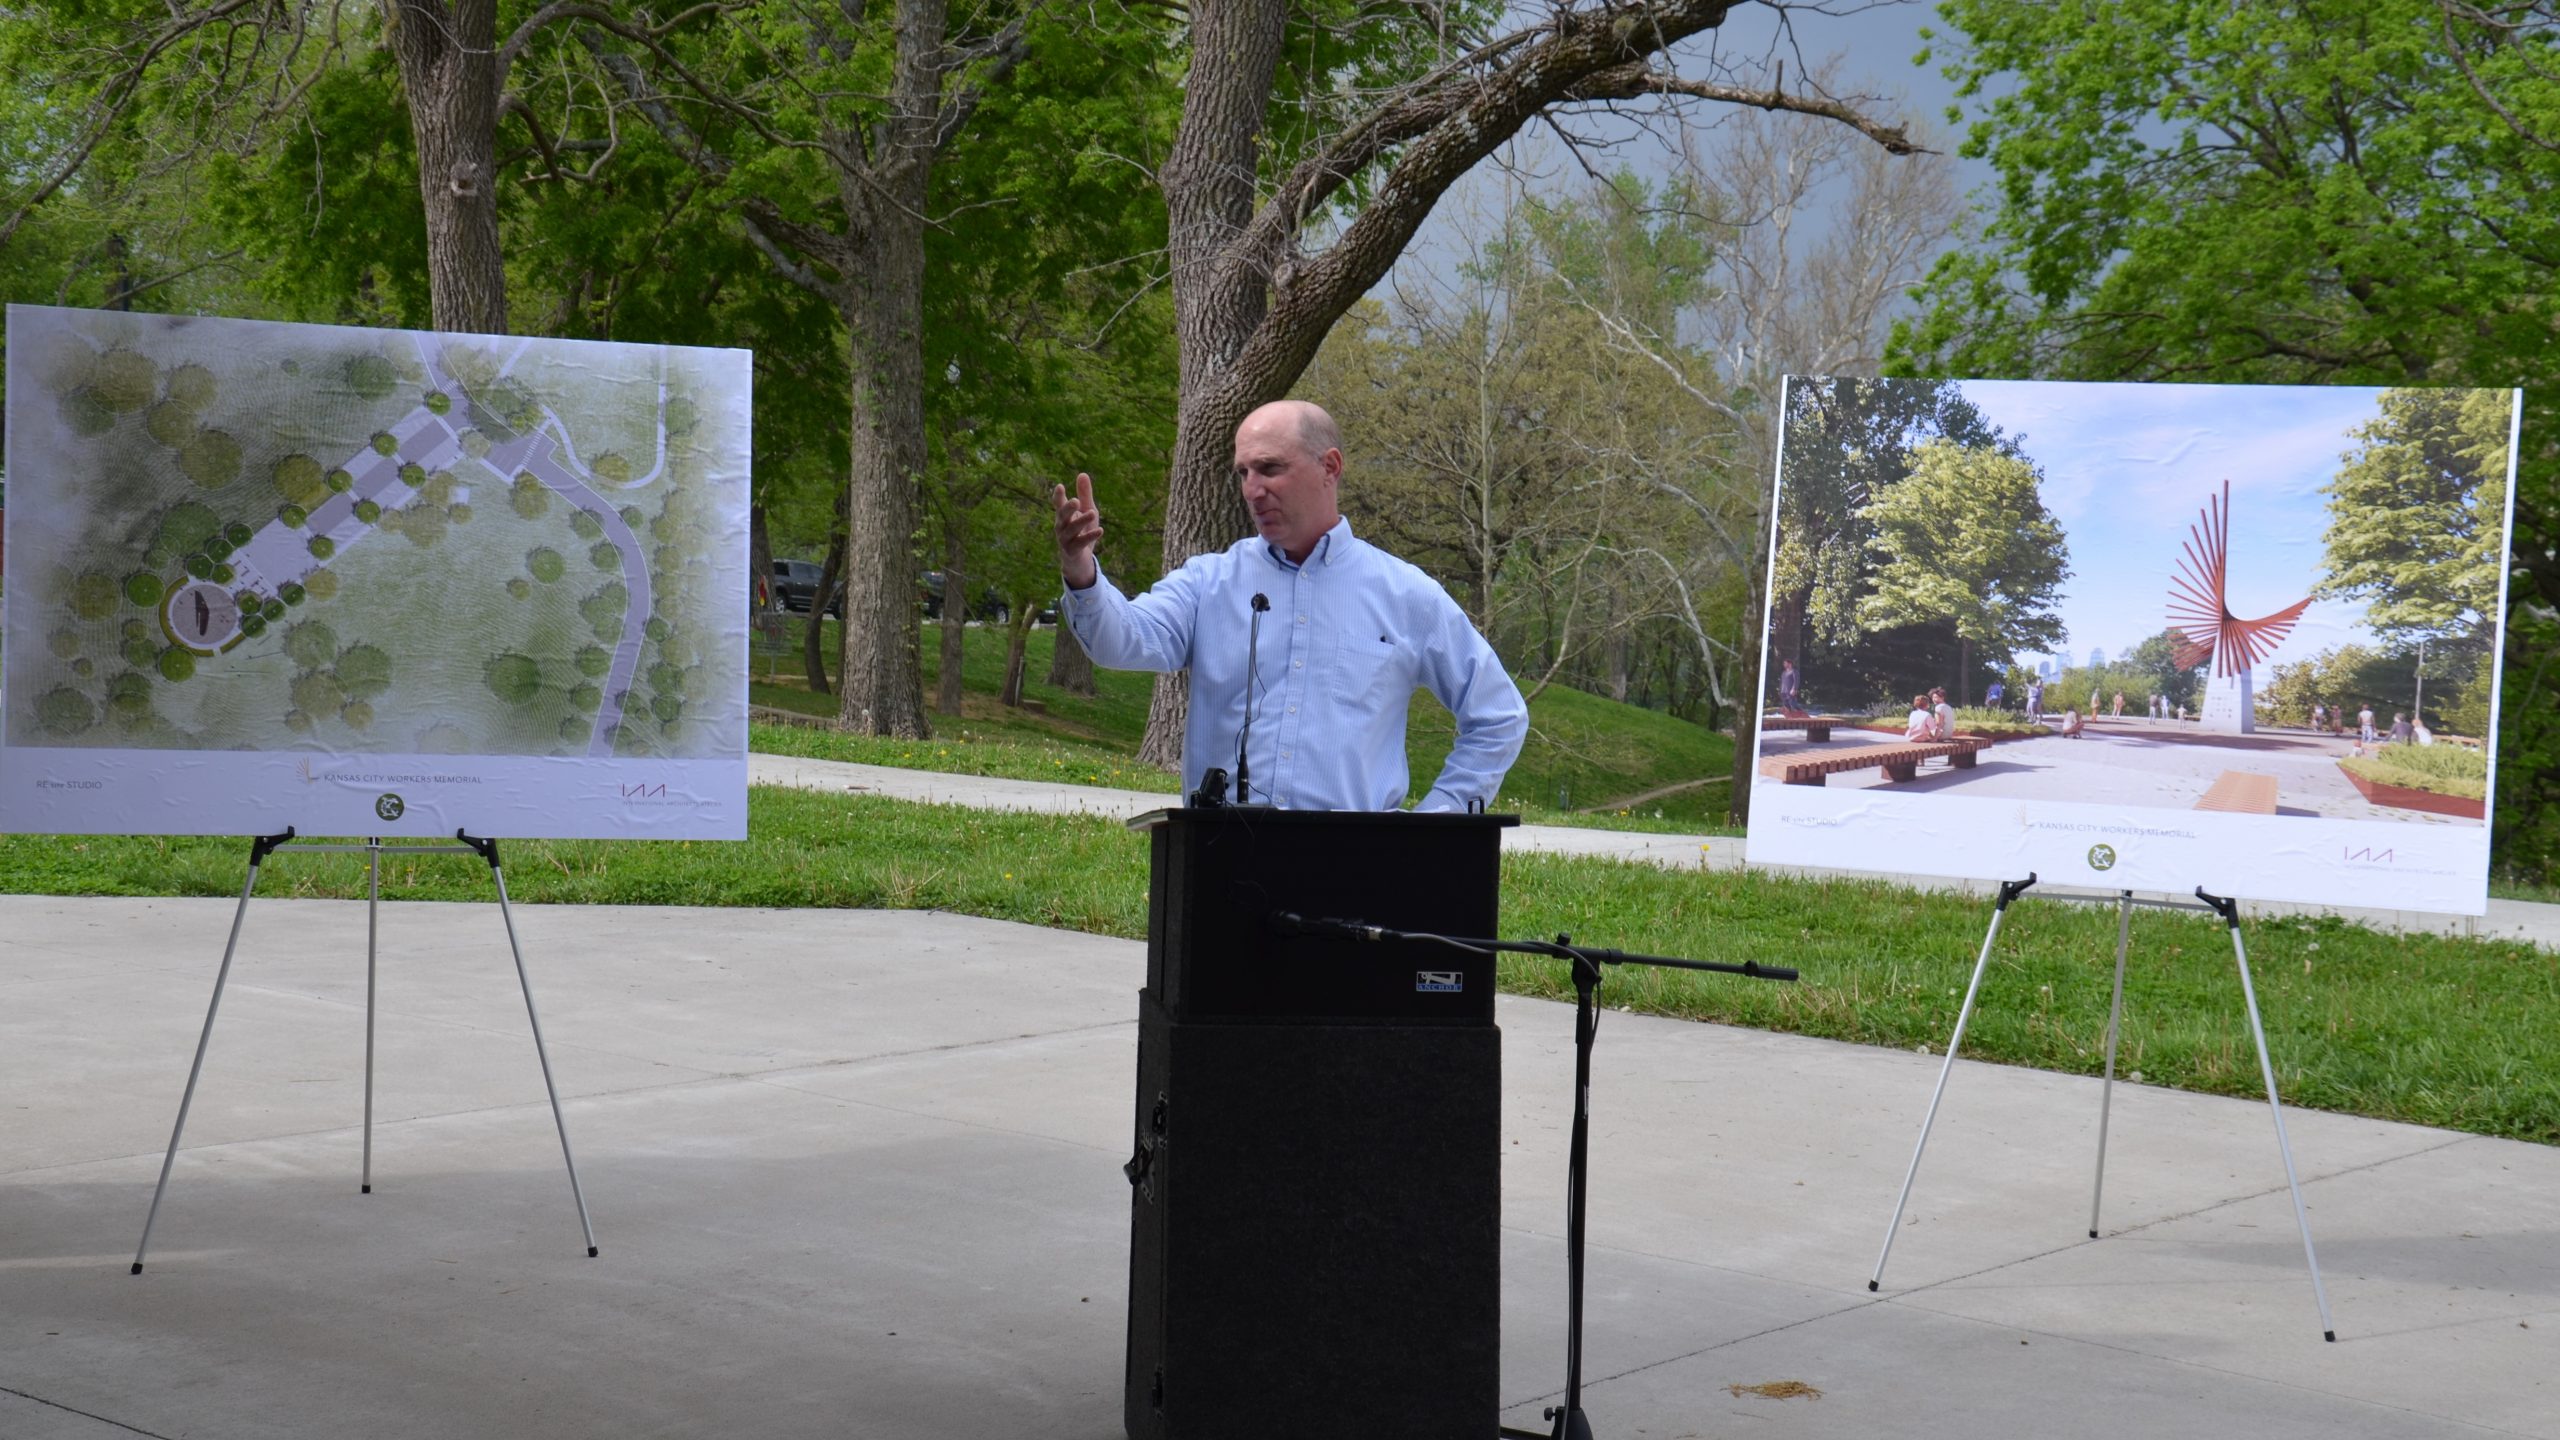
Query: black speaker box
[1315, 1241]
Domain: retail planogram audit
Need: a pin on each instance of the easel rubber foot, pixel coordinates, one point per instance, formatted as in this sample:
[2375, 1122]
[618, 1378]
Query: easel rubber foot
[367, 1190]
[1871, 1285]
[137, 1267]
[2093, 1234]
[2329, 1335]
[591, 1254]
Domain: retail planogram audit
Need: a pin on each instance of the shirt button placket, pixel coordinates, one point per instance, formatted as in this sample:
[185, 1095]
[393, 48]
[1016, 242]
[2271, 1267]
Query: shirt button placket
[1294, 688]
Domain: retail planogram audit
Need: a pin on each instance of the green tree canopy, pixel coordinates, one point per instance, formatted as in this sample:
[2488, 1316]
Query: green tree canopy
[1846, 442]
[1965, 541]
[2417, 515]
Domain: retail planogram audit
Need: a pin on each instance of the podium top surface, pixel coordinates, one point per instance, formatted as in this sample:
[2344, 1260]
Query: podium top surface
[1269, 815]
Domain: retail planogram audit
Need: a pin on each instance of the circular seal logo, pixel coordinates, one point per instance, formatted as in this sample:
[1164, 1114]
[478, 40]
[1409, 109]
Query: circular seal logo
[2101, 857]
[389, 807]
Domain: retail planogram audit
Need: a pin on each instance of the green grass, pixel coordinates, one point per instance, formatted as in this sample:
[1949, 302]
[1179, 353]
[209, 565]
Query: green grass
[2429, 1030]
[965, 748]
[805, 849]
[1586, 762]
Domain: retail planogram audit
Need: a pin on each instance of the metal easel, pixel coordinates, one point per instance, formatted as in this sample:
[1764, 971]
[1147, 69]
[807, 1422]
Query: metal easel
[2226, 907]
[260, 847]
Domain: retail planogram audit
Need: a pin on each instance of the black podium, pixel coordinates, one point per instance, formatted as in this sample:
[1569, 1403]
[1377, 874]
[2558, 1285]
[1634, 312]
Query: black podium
[1316, 1181]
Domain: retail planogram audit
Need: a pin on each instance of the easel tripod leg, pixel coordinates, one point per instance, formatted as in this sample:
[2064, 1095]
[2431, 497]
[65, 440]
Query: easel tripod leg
[1972, 989]
[372, 920]
[1570, 1422]
[196, 1070]
[2267, 1070]
[2115, 1022]
[543, 1053]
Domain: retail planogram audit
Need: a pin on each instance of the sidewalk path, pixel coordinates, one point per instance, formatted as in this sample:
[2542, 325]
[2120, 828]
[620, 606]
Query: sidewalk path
[857, 1173]
[2506, 920]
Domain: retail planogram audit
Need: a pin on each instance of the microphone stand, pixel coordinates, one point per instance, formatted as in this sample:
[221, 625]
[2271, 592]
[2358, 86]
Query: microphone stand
[1252, 673]
[1570, 1422]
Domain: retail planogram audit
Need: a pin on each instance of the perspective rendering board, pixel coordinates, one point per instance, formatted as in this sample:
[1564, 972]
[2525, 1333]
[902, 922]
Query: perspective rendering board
[2142, 637]
[371, 582]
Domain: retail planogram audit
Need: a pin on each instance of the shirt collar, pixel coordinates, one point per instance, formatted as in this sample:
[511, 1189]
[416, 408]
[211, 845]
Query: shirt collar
[1330, 546]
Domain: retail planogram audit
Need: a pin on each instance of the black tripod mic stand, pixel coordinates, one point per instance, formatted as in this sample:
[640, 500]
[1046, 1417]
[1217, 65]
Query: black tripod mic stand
[1570, 1422]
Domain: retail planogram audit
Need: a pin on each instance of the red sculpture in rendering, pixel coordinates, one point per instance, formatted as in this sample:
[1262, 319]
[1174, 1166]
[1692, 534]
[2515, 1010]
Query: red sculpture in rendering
[2198, 611]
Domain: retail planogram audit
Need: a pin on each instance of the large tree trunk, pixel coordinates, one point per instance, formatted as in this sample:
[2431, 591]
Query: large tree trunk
[882, 689]
[448, 56]
[1070, 669]
[955, 588]
[1217, 303]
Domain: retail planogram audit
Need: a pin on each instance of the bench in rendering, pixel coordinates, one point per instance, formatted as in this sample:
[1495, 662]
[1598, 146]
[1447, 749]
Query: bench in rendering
[1899, 761]
[2239, 792]
[1813, 729]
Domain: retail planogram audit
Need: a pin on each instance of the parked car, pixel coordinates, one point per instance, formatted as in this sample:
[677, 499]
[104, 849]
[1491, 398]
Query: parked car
[989, 606]
[795, 585]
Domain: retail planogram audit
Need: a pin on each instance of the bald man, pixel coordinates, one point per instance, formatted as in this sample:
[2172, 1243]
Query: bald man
[1351, 633]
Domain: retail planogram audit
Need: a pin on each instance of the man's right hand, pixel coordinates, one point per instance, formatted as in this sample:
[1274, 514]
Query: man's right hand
[1079, 532]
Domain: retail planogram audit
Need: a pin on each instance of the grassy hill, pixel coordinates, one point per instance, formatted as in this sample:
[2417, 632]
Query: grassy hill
[1588, 760]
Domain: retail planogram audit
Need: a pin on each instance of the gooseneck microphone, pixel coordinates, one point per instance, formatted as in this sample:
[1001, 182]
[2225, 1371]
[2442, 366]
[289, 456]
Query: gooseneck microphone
[1252, 673]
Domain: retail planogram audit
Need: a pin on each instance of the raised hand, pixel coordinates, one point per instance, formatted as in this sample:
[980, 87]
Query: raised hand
[1079, 532]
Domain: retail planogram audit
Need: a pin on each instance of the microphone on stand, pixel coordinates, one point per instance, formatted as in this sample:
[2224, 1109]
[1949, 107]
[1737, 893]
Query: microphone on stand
[1252, 673]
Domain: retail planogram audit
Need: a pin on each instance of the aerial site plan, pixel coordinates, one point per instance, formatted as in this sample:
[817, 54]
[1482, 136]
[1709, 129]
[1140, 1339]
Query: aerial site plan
[339, 548]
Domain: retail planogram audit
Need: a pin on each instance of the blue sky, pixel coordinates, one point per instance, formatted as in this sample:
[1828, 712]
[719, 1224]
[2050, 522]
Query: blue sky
[2128, 469]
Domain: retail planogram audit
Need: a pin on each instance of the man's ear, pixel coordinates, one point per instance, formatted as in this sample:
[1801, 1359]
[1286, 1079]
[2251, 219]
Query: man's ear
[1331, 460]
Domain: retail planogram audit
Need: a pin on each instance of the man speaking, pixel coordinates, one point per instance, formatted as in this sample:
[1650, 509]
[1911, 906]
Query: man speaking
[1347, 632]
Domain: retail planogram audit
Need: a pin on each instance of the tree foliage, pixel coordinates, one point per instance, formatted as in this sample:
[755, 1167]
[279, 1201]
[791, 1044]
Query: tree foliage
[1531, 431]
[2417, 516]
[1964, 540]
[1847, 440]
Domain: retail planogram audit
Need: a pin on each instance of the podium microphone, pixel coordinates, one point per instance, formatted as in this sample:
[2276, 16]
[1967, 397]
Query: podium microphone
[1252, 674]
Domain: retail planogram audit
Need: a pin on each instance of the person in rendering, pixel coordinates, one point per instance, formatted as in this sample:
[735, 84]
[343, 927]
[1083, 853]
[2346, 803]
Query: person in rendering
[2072, 723]
[1350, 633]
[2399, 728]
[2364, 727]
[1790, 687]
[2118, 713]
[1922, 723]
[2419, 732]
[1945, 713]
[2035, 701]
[1997, 693]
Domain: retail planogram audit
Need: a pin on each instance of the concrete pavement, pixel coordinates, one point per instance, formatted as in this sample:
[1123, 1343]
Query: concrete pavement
[2507, 919]
[857, 1174]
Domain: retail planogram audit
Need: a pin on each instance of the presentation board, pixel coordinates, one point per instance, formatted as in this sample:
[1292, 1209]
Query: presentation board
[2243, 637]
[371, 582]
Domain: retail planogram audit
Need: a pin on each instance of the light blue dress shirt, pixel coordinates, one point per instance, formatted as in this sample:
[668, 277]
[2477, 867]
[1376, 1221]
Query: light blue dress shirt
[1350, 635]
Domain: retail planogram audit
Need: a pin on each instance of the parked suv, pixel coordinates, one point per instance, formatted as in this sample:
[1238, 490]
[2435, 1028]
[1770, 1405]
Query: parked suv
[795, 584]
